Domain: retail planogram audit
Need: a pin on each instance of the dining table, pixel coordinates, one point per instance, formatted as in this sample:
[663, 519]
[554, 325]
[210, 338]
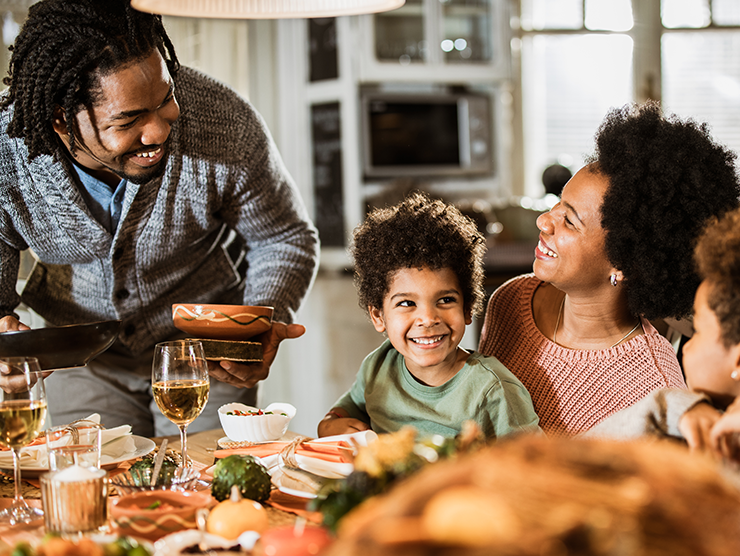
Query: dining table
[282, 510]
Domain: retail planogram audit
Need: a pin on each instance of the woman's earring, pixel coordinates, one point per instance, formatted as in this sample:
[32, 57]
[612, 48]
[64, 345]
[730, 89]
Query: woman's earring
[613, 280]
[735, 375]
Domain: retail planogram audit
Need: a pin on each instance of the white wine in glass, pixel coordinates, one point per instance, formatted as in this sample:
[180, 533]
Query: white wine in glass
[180, 384]
[22, 416]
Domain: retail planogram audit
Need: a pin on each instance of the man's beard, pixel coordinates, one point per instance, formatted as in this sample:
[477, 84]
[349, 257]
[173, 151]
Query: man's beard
[149, 174]
[143, 177]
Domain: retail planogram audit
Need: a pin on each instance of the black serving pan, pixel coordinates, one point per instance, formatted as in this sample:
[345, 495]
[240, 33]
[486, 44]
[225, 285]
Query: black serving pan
[61, 347]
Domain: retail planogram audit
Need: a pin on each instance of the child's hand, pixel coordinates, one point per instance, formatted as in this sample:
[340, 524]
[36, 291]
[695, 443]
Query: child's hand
[724, 434]
[337, 422]
[695, 426]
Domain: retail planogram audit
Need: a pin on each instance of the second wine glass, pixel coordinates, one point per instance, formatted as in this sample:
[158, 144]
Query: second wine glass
[180, 384]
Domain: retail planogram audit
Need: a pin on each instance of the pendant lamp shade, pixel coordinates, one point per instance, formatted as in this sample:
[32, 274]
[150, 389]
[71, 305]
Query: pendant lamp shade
[265, 9]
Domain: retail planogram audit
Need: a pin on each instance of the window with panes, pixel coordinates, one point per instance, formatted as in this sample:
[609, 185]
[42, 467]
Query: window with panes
[578, 58]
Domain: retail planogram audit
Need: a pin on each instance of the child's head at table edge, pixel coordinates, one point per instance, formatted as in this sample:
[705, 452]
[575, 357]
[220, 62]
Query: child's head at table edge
[711, 358]
[418, 238]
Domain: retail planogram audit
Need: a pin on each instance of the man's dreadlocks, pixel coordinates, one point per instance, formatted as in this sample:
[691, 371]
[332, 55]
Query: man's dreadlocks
[59, 56]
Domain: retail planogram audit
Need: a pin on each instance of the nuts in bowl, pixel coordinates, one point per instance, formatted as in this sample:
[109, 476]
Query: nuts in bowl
[243, 423]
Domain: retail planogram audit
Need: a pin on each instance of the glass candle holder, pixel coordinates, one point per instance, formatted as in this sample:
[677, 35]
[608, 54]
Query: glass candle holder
[75, 500]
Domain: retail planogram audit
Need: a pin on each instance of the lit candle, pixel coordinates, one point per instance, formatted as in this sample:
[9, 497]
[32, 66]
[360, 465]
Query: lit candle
[75, 473]
[75, 499]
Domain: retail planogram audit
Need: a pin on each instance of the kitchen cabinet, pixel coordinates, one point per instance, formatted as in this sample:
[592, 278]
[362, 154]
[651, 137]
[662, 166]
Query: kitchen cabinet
[436, 40]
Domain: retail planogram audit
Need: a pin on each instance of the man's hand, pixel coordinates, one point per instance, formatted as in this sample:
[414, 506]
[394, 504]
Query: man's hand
[15, 383]
[695, 426]
[247, 375]
[725, 432]
[10, 323]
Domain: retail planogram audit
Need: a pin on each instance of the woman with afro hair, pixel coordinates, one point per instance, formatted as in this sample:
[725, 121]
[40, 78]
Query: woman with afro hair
[613, 254]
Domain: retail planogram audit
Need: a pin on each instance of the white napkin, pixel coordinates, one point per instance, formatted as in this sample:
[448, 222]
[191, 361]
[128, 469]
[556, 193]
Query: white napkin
[117, 443]
[362, 438]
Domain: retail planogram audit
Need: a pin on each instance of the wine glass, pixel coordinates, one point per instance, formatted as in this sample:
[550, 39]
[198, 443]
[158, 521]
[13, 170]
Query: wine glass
[180, 384]
[22, 416]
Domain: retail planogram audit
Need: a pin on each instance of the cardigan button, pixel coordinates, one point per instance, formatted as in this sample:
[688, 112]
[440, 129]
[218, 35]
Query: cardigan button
[122, 294]
[129, 330]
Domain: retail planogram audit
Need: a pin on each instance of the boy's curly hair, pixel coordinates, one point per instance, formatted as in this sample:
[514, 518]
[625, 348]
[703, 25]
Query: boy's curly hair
[667, 177]
[718, 262]
[418, 232]
[62, 50]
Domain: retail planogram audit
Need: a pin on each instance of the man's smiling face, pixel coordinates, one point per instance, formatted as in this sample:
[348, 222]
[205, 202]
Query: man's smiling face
[124, 135]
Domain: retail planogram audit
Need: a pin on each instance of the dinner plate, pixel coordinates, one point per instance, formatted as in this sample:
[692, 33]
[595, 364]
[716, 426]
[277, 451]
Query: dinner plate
[142, 446]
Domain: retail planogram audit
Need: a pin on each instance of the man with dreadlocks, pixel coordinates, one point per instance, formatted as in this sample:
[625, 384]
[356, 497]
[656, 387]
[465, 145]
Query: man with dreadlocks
[137, 184]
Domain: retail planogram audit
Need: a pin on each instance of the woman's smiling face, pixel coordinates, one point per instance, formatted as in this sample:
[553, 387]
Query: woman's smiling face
[424, 316]
[571, 251]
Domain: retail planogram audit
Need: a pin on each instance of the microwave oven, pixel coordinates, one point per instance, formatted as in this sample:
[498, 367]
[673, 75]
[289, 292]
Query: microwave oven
[425, 135]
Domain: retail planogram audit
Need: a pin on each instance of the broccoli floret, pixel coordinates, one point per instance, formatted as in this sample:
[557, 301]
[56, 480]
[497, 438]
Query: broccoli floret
[246, 472]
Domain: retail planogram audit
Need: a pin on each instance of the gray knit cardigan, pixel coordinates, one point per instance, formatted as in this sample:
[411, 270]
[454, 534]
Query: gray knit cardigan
[178, 241]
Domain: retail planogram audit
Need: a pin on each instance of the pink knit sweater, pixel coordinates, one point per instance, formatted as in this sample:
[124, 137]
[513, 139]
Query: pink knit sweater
[573, 390]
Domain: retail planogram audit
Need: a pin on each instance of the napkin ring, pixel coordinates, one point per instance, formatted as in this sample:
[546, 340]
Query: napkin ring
[287, 454]
[74, 428]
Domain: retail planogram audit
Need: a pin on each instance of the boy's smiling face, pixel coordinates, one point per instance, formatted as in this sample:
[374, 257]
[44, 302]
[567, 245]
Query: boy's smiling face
[424, 316]
[707, 362]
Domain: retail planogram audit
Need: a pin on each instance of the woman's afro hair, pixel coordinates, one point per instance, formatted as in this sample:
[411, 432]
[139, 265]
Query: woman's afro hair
[718, 262]
[62, 50]
[418, 232]
[667, 178]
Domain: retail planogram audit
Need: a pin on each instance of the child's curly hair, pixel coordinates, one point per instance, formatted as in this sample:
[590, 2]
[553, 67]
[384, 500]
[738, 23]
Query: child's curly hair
[418, 232]
[718, 262]
[667, 178]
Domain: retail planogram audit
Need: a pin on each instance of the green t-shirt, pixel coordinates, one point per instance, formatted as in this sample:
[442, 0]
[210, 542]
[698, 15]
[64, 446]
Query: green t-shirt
[387, 397]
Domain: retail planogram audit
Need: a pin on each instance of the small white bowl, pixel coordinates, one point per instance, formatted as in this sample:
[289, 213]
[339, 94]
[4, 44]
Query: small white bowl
[256, 428]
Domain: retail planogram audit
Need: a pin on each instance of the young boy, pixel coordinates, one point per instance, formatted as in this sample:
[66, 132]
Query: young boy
[419, 275]
[711, 358]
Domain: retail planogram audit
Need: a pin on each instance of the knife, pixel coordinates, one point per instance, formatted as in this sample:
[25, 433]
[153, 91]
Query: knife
[158, 462]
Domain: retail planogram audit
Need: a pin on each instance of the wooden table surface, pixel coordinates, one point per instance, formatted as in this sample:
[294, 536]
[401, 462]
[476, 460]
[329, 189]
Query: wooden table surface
[201, 448]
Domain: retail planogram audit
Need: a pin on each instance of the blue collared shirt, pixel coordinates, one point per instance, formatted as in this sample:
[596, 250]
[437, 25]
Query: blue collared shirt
[104, 202]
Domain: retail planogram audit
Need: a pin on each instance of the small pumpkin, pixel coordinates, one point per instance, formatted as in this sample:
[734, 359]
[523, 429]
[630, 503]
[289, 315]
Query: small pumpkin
[235, 515]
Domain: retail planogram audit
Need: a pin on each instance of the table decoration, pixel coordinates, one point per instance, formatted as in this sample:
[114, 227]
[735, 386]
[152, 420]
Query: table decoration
[382, 463]
[75, 500]
[298, 540]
